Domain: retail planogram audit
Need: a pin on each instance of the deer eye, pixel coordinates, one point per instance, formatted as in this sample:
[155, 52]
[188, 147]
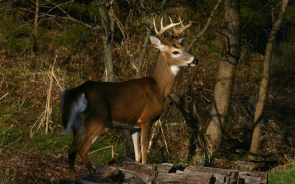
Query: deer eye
[175, 52]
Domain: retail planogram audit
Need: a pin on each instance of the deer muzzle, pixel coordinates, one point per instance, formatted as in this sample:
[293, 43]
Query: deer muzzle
[194, 63]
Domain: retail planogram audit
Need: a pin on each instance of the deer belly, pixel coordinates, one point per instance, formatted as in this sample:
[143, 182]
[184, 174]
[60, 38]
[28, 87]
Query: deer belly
[118, 125]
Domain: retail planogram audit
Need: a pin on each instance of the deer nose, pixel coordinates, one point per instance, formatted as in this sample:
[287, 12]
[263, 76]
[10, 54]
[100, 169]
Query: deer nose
[195, 61]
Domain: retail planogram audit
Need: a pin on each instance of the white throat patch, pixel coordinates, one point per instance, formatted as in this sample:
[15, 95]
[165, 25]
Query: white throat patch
[174, 69]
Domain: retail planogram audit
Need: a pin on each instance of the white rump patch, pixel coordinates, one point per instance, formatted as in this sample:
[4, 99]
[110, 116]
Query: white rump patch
[81, 103]
[74, 120]
[79, 106]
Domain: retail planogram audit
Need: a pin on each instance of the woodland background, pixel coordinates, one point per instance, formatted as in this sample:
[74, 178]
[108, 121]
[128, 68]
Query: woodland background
[49, 45]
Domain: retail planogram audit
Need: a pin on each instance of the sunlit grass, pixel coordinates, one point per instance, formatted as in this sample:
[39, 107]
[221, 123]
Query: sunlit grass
[282, 176]
[11, 111]
[17, 138]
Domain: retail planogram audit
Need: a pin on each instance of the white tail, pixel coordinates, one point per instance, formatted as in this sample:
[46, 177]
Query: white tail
[134, 104]
[75, 107]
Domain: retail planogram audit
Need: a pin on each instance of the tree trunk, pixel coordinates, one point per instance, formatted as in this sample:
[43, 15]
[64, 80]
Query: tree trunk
[35, 45]
[225, 77]
[106, 38]
[108, 25]
[108, 59]
[264, 83]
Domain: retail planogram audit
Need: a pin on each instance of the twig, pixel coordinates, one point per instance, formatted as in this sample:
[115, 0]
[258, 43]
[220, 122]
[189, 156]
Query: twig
[158, 123]
[113, 152]
[61, 88]
[103, 149]
[254, 16]
[72, 18]
[153, 135]
[149, 30]
[164, 136]
[4, 96]
[31, 132]
[206, 26]
[12, 142]
[48, 106]
[48, 110]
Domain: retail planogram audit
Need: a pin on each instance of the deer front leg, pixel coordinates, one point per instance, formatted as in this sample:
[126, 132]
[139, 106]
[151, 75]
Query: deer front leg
[145, 134]
[136, 144]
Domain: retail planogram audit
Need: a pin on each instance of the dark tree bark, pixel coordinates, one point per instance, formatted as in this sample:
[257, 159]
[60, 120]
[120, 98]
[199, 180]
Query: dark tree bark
[225, 77]
[108, 23]
[106, 37]
[35, 46]
[264, 83]
[190, 112]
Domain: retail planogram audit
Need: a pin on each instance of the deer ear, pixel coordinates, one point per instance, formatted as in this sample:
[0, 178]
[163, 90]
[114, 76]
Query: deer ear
[181, 39]
[156, 42]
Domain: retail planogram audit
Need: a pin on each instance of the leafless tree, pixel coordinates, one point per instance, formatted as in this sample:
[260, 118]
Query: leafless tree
[264, 82]
[225, 77]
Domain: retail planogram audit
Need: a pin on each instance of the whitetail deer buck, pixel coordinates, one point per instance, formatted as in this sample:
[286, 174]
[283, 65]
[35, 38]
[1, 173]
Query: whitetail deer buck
[134, 104]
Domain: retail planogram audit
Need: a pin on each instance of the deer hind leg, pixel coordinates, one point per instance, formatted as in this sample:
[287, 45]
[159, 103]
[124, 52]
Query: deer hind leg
[72, 154]
[136, 144]
[145, 134]
[93, 130]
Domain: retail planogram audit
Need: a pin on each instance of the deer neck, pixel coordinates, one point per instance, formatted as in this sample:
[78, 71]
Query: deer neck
[163, 75]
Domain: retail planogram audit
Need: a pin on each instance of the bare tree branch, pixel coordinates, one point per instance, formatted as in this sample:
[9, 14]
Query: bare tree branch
[149, 30]
[137, 64]
[206, 26]
[254, 16]
[69, 17]
[259, 110]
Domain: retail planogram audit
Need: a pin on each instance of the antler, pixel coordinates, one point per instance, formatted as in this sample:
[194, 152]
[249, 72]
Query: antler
[163, 29]
[176, 32]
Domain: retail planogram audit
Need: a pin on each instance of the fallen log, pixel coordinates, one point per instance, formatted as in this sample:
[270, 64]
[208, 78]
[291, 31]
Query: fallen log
[248, 166]
[186, 177]
[127, 176]
[249, 180]
[252, 177]
[135, 172]
[147, 169]
[221, 175]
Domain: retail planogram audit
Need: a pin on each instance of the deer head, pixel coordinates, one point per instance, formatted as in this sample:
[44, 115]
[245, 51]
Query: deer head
[173, 51]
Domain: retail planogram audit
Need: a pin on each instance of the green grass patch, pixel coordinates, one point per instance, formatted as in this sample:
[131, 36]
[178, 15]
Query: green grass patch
[17, 138]
[282, 176]
[16, 112]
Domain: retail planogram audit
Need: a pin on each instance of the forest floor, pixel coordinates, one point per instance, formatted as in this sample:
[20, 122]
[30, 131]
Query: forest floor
[22, 167]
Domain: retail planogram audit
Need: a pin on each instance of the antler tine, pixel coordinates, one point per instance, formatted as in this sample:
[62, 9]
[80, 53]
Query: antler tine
[176, 32]
[155, 27]
[163, 29]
